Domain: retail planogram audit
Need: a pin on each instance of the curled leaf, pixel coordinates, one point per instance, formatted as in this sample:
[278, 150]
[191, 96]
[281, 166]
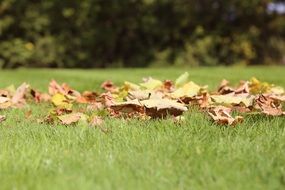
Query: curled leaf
[109, 86]
[182, 79]
[221, 115]
[18, 97]
[269, 105]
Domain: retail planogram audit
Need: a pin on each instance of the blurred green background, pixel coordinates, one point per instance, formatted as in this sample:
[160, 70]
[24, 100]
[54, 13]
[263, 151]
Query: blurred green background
[141, 33]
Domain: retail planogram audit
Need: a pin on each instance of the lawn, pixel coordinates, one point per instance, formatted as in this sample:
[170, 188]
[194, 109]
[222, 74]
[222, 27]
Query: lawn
[141, 154]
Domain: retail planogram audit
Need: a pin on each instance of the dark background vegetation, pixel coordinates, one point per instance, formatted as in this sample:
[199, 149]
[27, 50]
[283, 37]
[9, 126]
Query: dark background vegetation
[139, 33]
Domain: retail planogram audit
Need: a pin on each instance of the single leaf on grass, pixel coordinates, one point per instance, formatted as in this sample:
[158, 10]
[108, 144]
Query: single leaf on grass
[230, 99]
[182, 79]
[71, 118]
[2, 118]
[159, 108]
[151, 84]
[221, 115]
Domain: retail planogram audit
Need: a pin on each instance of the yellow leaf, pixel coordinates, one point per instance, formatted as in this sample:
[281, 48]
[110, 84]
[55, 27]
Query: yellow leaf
[257, 87]
[152, 84]
[229, 99]
[182, 79]
[59, 100]
[189, 89]
[130, 86]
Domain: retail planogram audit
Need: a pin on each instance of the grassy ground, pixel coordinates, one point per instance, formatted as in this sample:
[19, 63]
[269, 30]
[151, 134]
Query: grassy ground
[136, 154]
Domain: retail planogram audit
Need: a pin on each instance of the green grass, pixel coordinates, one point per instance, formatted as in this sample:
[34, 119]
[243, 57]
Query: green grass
[141, 154]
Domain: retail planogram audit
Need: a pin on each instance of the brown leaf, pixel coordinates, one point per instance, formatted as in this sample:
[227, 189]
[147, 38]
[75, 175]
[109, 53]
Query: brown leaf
[107, 99]
[243, 88]
[2, 118]
[268, 105]
[55, 88]
[70, 118]
[109, 86]
[87, 97]
[221, 115]
[168, 86]
[95, 106]
[128, 107]
[201, 100]
[19, 95]
[159, 108]
[40, 97]
[224, 87]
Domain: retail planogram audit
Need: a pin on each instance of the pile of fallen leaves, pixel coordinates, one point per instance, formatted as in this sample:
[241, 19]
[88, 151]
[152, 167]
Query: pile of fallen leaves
[150, 99]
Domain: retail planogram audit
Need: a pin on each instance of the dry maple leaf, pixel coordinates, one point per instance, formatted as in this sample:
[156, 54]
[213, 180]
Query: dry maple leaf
[39, 97]
[109, 86]
[18, 97]
[87, 97]
[107, 99]
[70, 118]
[168, 86]
[269, 105]
[55, 88]
[221, 115]
[160, 108]
[128, 107]
[224, 87]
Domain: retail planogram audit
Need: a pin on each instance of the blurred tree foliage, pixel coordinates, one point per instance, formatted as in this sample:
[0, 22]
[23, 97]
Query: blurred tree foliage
[137, 33]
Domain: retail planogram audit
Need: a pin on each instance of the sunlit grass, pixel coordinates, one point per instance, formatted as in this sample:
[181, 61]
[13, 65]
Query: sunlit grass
[141, 154]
